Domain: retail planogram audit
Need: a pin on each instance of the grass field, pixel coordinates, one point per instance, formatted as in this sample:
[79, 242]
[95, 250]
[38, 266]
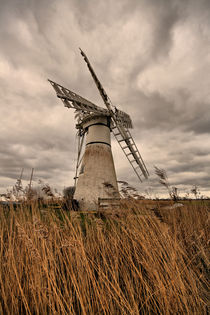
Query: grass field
[133, 261]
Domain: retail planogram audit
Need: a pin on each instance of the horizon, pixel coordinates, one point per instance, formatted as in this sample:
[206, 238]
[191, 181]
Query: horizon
[152, 57]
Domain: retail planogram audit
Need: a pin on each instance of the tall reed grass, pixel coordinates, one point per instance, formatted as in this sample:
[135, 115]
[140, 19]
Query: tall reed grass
[56, 262]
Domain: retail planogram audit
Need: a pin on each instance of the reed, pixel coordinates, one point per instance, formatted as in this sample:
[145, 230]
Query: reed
[129, 262]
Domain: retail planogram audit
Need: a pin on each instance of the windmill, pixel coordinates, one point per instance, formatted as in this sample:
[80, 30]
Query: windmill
[95, 172]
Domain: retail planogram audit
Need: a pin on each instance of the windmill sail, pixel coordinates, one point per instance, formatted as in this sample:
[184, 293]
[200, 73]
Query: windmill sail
[118, 115]
[73, 100]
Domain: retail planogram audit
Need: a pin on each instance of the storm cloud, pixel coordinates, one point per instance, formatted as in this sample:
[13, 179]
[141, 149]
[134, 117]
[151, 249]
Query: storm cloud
[152, 57]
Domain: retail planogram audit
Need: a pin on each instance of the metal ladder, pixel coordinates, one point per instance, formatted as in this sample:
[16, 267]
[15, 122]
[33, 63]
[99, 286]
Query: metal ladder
[126, 142]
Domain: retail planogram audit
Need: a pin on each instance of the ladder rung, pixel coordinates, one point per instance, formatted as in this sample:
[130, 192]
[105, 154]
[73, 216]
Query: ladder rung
[132, 153]
[117, 134]
[124, 139]
[124, 147]
[132, 161]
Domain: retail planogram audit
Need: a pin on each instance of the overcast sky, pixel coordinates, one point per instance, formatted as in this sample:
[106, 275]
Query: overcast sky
[153, 59]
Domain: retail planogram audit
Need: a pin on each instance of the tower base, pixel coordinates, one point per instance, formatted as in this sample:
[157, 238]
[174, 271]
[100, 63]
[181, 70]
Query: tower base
[97, 178]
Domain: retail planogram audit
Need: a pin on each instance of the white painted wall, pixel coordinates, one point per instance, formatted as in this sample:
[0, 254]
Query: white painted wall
[98, 177]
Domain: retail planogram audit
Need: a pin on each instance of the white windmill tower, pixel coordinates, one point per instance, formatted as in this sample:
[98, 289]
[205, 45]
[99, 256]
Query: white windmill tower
[97, 176]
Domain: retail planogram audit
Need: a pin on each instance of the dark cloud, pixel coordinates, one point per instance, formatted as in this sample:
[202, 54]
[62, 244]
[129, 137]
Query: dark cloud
[155, 111]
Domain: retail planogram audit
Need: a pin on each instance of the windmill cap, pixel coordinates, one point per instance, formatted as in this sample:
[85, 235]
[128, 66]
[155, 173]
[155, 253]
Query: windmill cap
[94, 119]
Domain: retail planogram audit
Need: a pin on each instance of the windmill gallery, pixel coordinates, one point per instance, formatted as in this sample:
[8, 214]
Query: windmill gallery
[95, 172]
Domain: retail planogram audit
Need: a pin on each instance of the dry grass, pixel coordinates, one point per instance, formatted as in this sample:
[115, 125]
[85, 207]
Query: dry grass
[55, 262]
